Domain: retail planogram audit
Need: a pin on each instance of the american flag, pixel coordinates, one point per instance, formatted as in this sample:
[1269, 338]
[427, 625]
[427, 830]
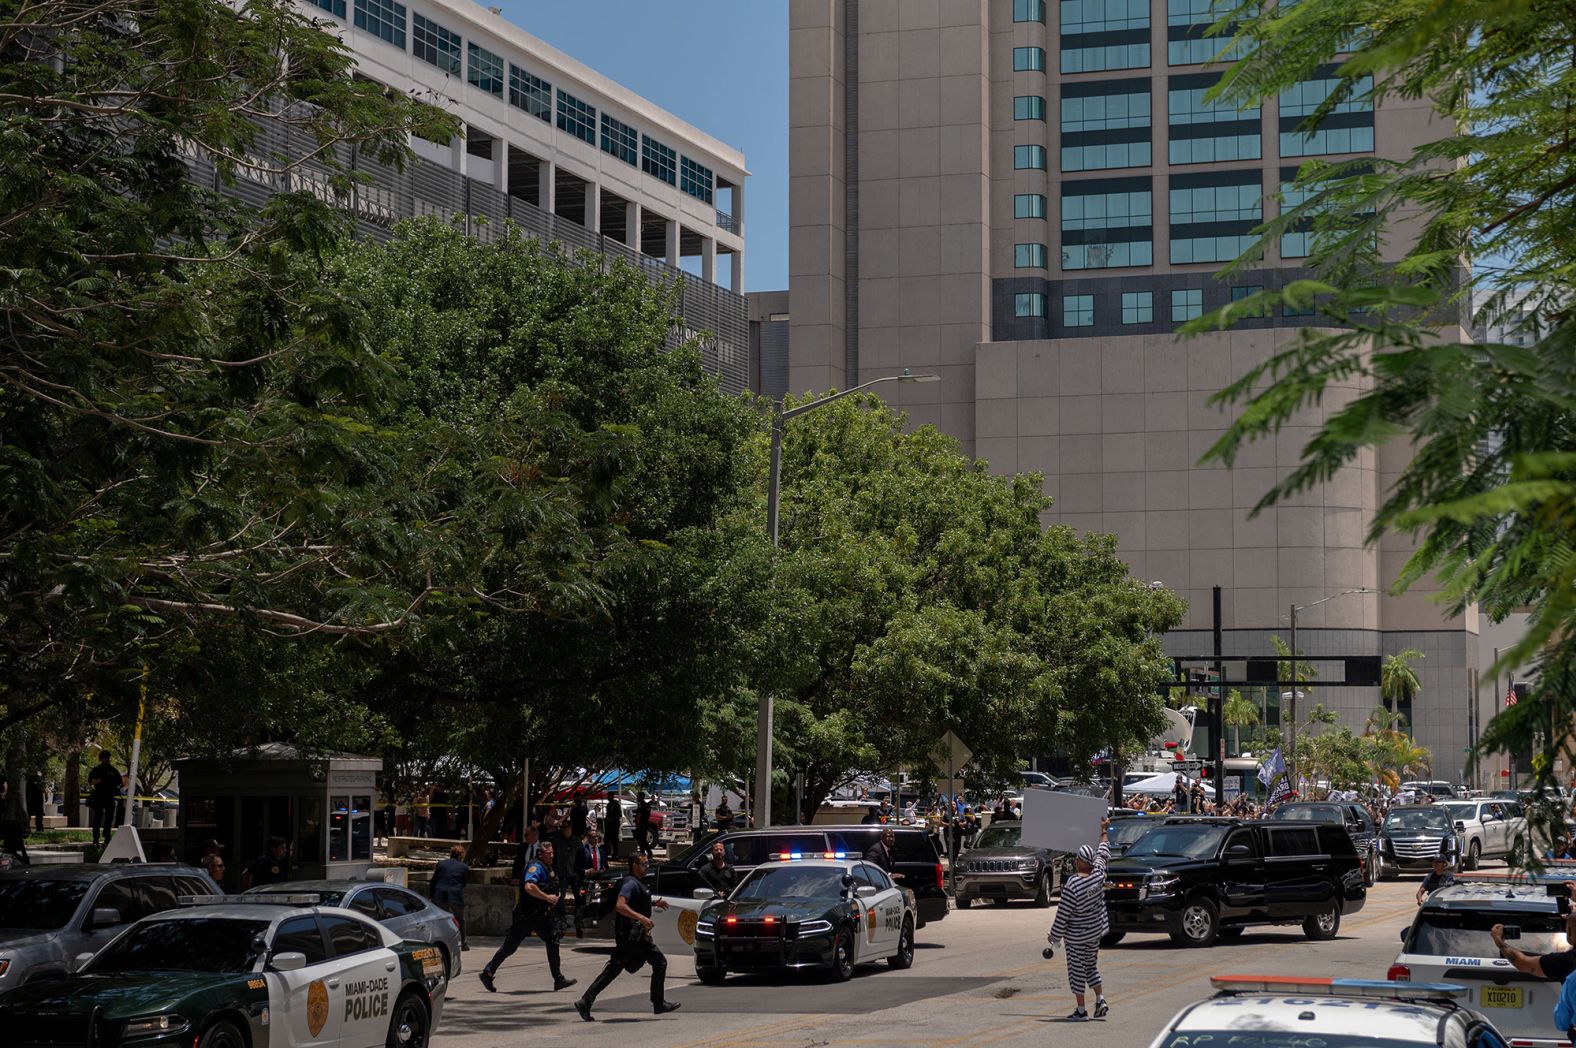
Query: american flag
[1510, 695]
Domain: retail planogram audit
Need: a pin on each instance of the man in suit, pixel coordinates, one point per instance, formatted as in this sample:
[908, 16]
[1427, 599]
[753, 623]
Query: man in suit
[524, 855]
[592, 857]
[883, 853]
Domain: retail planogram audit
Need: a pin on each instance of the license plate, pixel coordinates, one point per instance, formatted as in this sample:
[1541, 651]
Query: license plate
[1500, 997]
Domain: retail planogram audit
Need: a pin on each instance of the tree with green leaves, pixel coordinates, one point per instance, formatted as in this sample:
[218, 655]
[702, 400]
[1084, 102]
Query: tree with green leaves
[1237, 713]
[1398, 681]
[915, 593]
[1490, 491]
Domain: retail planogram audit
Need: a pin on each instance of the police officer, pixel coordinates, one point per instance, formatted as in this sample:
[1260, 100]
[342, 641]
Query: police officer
[718, 874]
[537, 911]
[633, 947]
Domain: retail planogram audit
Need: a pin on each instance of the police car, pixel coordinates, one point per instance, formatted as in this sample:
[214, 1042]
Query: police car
[1449, 940]
[821, 910]
[1265, 1011]
[287, 973]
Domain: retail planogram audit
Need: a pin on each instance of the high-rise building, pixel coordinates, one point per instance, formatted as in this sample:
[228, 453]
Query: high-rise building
[563, 151]
[1026, 198]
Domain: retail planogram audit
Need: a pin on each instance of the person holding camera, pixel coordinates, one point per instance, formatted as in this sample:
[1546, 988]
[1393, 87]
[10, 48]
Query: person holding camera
[633, 947]
[1080, 922]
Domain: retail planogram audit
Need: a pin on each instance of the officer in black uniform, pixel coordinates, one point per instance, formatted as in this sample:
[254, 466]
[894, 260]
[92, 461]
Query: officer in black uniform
[632, 941]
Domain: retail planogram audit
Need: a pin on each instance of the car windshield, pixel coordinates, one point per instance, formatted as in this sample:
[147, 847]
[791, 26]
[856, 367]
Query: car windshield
[1465, 933]
[791, 882]
[1310, 813]
[1125, 831]
[998, 837]
[1179, 842]
[198, 944]
[44, 905]
[1432, 819]
[1460, 810]
[1238, 1038]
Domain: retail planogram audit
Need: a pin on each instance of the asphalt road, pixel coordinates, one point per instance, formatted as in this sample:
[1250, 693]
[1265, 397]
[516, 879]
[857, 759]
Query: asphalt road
[977, 979]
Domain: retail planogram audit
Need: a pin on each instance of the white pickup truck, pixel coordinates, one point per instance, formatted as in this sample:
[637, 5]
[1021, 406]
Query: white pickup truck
[1488, 829]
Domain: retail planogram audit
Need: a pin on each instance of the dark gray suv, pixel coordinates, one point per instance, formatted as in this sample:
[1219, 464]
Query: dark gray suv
[49, 915]
[998, 867]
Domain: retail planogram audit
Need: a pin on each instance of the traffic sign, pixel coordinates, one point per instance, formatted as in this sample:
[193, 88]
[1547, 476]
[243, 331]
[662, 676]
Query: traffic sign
[949, 758]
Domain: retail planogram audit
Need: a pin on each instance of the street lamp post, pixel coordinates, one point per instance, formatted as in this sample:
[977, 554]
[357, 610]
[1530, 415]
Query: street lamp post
[763, 719]
[1291, 727]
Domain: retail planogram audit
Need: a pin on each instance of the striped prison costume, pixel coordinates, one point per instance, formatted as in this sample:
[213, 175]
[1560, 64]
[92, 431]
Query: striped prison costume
[1081, 921]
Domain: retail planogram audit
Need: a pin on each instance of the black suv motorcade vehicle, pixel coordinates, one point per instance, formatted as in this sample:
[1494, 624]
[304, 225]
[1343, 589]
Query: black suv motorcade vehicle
[916, 859]
[997, 867]
[1202, 878]
[1359, 825]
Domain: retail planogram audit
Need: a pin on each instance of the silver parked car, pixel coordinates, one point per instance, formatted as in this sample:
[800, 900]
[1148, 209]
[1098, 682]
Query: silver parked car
[400, 910]
[49, 915]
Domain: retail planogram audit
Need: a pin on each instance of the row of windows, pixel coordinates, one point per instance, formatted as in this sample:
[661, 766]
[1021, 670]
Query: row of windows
[1138, 307]
[1102, 16]
[1028, 11]
[442, 48]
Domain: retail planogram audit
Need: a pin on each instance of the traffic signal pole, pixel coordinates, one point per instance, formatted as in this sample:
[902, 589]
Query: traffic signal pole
[1217, 735]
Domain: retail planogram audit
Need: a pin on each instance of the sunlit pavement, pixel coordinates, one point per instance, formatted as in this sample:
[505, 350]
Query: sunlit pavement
[978, 979]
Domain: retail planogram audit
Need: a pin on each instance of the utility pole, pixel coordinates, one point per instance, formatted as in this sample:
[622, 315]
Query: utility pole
[1291, 723]
[1218, 712]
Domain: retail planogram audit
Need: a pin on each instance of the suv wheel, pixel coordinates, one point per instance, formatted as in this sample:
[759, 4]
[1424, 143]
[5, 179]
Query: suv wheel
[1322, 926]
[711, 976]
[1473, 852]
[1042, 891]
[1110, 939]
[1200, 923]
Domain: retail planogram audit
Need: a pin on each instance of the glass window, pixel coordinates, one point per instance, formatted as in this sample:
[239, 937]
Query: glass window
[383, 19]
[1104, 34]
[347, 935]
[1347, 127]
[1245, 291]
[1293, 841]
[1188, 41]
[1138, 307]
[1213, 216]
[158, 893]
[395, 903]
[1077, 310]
[360, 828]
[193, 944]
[1028, 11]
[530, 93]
[1302, 239]
[1028, 107]
[333, 7]
[36, 902]
[1028, 59]
[1030, 304]
[619, 139]
[695, 179]
[1216, 203]
[367, 903]
[432, 43]
[1028, 205]
[576, 117]
[339, 829]
[1028, 256]
[1107, 223]
[484, 69]
[300, 935]
[658, 160]
[121, 896]
[1186, 304]
[1028, 158]
[1105, 130]
[1202, 132]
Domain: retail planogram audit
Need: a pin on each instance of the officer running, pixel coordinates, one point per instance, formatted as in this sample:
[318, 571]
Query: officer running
[1081, 921]
[540, 899]
[632, 947]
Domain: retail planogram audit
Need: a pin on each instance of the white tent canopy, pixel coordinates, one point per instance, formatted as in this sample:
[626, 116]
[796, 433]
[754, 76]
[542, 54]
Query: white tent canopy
[1162, 783]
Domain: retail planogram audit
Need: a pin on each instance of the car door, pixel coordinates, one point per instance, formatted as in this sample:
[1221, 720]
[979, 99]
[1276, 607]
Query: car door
[368, 973]
[1242, 876]
[312, 998]
[1292, 874]
[119, 894]
[1495, 826]
[866, 913]
[401, 913]
[889, 910]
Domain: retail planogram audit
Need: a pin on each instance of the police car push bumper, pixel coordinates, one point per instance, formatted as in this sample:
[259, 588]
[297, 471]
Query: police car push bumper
[1146, 902]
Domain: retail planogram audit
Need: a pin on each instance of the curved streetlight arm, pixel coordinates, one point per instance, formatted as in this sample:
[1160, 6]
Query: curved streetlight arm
[839, 395]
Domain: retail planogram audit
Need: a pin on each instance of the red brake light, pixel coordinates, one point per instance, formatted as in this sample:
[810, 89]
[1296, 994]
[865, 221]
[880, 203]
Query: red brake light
[941, 880]
[733, 920]
[1399, 973]
[771, 920]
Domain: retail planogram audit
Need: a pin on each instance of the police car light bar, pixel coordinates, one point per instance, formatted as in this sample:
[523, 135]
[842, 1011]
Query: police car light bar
[201, 900]
[1374, 988]
[790, 856]
[278, 899]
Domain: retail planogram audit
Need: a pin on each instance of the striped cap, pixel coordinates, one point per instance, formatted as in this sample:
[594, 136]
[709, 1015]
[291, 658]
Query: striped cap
[1086, 853]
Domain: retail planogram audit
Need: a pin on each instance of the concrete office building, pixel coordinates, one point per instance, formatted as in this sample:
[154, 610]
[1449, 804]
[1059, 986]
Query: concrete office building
[1025, 197]
[563, 151]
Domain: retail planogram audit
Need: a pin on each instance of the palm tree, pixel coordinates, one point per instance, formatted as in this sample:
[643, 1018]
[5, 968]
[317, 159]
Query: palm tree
[1238, 713]
[1398, 681]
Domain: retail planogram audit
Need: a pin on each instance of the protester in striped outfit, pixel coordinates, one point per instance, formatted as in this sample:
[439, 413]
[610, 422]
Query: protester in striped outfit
[1081, 921]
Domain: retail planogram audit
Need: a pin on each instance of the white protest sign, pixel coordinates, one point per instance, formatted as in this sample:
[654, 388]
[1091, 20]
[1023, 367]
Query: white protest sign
[1060, 821]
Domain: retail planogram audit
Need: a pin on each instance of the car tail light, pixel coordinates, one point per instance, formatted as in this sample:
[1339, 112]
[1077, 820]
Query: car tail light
[1399, 973]
[454, 921]
[941, 877]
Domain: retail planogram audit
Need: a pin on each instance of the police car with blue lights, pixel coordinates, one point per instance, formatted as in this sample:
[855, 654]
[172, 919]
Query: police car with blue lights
[1451, 939]
[806, 910]
[1266, 1011]
[281, 973]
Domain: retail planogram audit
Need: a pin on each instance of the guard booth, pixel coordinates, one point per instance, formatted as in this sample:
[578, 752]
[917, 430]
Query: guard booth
[320, 802]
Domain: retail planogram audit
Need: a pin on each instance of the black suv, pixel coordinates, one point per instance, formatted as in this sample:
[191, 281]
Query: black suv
[998, 867]
[916, 859]
[1202, 878]
[1359, 825]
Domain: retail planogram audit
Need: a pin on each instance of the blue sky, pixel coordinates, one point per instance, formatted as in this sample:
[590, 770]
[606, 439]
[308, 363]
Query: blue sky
[722, 65]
